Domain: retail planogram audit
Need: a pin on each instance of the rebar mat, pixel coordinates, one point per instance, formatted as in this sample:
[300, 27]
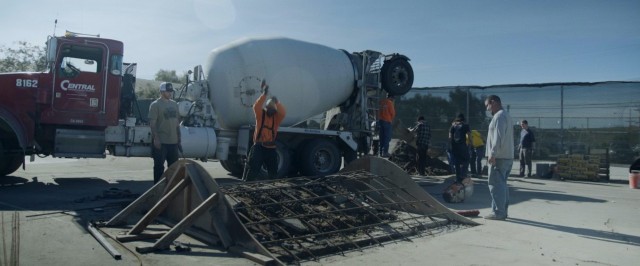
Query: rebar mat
[307, 218]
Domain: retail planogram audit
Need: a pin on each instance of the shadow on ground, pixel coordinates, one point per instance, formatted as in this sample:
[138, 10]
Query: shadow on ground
[85, 198]
[584, 232]
[481, 199]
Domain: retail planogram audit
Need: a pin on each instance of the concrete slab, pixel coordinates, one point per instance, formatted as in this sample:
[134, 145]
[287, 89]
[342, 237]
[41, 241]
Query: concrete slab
[551, 222]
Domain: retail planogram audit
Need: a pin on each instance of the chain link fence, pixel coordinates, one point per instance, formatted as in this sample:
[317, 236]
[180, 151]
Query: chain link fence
[565, 117]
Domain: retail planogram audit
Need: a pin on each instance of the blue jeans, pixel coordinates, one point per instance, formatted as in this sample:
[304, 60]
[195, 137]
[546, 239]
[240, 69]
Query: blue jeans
[476, 160]
[525, 160]
[385, 136]
[498, 174]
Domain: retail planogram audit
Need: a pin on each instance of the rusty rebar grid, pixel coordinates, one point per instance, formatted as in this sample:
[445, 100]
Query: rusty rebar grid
[302, 218]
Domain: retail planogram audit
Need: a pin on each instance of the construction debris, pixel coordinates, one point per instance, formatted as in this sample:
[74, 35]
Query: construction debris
[404, 155]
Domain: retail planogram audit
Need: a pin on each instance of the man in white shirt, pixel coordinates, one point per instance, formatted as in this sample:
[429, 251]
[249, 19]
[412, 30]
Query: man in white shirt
[499, 150]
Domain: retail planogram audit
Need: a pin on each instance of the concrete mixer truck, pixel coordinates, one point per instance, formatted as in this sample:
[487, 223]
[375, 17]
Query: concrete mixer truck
[83, 105]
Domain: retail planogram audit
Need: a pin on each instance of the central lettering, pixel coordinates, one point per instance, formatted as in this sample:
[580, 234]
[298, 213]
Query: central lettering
[67, 85]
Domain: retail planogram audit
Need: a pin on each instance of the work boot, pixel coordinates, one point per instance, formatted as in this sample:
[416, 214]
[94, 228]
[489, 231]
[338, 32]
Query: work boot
[493, 216]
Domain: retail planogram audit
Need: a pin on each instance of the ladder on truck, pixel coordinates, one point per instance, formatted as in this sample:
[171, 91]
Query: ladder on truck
[371, 88]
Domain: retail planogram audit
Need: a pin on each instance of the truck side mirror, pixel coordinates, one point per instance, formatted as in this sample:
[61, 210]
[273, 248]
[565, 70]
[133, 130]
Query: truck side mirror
[52, 46]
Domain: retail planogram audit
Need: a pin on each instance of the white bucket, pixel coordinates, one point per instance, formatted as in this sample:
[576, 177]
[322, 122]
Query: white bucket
[222, 150]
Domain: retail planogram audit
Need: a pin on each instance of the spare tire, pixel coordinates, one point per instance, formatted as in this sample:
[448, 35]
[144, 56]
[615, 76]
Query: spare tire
[397, 76]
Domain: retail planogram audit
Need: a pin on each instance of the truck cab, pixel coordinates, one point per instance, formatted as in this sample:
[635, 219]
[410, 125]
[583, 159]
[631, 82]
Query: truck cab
[64, 110]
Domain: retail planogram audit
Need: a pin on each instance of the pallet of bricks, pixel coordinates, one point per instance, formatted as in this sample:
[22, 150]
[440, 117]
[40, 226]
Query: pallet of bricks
[582, 167]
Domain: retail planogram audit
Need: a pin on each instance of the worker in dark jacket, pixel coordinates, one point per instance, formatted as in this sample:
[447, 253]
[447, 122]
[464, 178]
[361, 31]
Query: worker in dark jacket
[423, 137]
[458, 135]
[527, 142]
[263, 151]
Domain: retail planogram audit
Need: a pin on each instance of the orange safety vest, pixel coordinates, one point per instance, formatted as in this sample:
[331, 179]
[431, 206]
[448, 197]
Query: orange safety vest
[387, 110]
[267, 126]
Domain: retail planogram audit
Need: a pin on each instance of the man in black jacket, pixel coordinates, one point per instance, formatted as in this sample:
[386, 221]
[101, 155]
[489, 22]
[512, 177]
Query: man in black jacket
[527, 140]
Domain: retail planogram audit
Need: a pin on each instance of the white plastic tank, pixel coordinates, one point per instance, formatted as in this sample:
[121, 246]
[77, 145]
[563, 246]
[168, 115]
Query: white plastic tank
[307, 78]
[198, 142]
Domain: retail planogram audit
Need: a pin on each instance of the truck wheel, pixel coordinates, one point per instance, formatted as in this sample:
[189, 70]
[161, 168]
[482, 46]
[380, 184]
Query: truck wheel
[349, 156]
[320, 157]
[9, 163]
[284, 160]
[284, 163]
[233, 164]
[397, 76]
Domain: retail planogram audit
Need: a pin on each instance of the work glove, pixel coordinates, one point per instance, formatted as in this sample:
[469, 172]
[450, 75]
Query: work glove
[264, 87]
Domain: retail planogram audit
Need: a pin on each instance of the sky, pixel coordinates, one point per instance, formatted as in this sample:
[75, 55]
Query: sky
[449, 42]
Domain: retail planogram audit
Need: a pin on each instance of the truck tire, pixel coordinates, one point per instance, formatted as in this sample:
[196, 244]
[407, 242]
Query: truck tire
[320, 157]
[9, 163]
[349, 156]
[397, 76]
[284, 160]
[233, 164]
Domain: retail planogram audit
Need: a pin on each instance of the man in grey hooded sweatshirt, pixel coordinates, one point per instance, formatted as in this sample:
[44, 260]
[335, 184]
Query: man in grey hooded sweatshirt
[499, 157]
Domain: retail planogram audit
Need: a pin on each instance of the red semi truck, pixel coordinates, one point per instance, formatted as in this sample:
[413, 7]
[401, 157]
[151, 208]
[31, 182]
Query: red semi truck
[82, 106]
[64, 111]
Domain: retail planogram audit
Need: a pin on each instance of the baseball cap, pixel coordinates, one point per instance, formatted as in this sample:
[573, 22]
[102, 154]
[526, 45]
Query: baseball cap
[166, 86]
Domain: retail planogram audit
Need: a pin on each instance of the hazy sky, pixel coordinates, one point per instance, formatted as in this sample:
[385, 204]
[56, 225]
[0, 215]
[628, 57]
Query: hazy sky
[449, 42]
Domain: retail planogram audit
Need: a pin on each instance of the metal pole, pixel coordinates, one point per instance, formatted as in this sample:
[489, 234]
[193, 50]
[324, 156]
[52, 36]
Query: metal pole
[562, 117]
[94, 232]
[467, 111]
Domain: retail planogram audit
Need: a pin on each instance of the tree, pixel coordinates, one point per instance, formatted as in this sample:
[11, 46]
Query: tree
[147, 91]
[168, 76]
[150, 90]
[476, 117]
[25, 57]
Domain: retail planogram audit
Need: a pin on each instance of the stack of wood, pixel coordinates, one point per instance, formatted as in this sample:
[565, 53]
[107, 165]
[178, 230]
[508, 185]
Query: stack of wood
[580, 166]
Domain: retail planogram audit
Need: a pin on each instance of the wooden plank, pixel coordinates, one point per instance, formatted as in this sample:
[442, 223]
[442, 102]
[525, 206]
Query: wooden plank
[255, 257]
[198, 183]
[186, 208]
[142, 236]
[175, 177]
[176, 231]
[136, 205]
[158, 208]
[194, 232]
